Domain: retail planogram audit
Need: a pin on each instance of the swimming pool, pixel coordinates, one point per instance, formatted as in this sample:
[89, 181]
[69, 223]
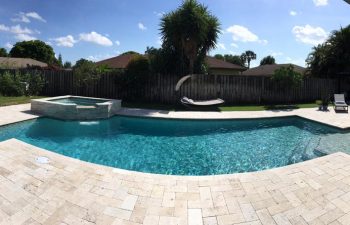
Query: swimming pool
[181, 147]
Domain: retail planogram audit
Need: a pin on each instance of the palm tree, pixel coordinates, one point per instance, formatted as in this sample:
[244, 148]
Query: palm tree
[191, 30]
[332, 57]
[249, 56]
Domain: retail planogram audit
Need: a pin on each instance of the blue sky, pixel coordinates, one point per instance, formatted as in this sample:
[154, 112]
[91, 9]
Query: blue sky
[98, 29]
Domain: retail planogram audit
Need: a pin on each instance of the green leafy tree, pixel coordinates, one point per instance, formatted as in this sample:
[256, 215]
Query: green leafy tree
[286, 77]
[10, 85]
[163, 60]
[219, 56]
[130, 53]
[136, 75]
[268, 60]
[332, 57]
[247, 57]
[67, 65]
[3, 52]
[235, 59]
[86, 73]
[34, 82]
[36, 49]
[191, 30]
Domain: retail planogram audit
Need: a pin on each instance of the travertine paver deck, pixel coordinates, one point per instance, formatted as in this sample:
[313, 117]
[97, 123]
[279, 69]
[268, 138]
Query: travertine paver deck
[69, 191]
[340, 119]
[15, 113]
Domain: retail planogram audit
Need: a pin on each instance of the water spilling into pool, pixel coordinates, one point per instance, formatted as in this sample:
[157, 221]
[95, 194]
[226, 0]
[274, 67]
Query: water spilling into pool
[181, 147]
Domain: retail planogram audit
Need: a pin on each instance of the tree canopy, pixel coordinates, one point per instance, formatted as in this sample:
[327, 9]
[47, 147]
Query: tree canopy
[130, 53]
[36, 49]
[333, 56]
[191, 31]
[247, 57]
[268, 60]
[235, 59]
[3, 52]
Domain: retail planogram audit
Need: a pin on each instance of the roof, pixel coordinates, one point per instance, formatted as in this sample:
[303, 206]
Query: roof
[121, 61]
[268, 70]
[215, 63]
[17, 63]
[118, 62]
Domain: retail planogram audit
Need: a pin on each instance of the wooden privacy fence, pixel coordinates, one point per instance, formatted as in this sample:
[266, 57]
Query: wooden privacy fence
[160, 88]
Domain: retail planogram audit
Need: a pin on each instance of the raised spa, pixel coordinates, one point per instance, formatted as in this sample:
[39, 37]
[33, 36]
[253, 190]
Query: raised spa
[76, 107]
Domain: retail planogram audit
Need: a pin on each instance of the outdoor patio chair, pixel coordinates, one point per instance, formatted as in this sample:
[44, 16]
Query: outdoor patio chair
[189, 102]
[339, 102]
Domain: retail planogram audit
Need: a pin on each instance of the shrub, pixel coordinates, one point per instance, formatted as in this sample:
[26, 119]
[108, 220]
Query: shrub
[85, 73]
[136, 75]
[10, 85]
[34, 83]
[286, 77]
[137, 71]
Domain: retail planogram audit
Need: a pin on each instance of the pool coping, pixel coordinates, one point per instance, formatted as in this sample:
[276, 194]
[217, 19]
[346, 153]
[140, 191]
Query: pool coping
[163, 114]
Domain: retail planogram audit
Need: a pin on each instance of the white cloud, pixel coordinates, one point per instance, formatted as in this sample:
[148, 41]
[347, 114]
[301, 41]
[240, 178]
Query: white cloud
[234, 45]
[25, 17]
[320, 2]
[293, 13]
[117, 42]
[16, 29]
[67, 41]
[141, 26]
[25, 37]
[310, 35]
[221, 46]
[36, 16]
[21, 34]
[19, 30]
[96, 38]
[243, 34]
[4, 28]
[8, 45]
[100, 57]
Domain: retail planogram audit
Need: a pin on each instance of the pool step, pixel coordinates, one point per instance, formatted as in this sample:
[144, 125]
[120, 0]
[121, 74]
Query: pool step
[86, 107]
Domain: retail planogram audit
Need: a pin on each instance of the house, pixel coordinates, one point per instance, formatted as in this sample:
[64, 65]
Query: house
[221, 67]
[118, 62]
[20, 63]
[216, 66]
[269, 70]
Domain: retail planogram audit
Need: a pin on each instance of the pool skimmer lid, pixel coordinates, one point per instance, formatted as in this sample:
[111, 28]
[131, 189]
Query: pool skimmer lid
[42, 160]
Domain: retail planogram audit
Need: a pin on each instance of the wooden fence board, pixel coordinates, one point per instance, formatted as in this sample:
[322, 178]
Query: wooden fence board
[160, 88]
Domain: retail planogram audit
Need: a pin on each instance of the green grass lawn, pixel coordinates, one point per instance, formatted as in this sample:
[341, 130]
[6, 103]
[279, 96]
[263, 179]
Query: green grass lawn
[26, 99]
[16, 100]
[221, 108]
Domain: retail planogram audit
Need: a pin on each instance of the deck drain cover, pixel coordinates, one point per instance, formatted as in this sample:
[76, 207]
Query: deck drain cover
[42, 159]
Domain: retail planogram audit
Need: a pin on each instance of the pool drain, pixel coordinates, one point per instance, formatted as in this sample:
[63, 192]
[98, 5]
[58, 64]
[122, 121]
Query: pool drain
[42, 160]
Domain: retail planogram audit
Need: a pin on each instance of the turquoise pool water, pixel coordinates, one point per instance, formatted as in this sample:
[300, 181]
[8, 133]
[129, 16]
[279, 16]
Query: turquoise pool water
[78, 101]
[177, 146]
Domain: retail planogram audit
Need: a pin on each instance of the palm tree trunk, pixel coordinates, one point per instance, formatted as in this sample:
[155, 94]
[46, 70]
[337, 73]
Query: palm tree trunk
[191, 66]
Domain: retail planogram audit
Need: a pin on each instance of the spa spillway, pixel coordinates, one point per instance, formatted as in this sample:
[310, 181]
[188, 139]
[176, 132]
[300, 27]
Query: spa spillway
[76, 107]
